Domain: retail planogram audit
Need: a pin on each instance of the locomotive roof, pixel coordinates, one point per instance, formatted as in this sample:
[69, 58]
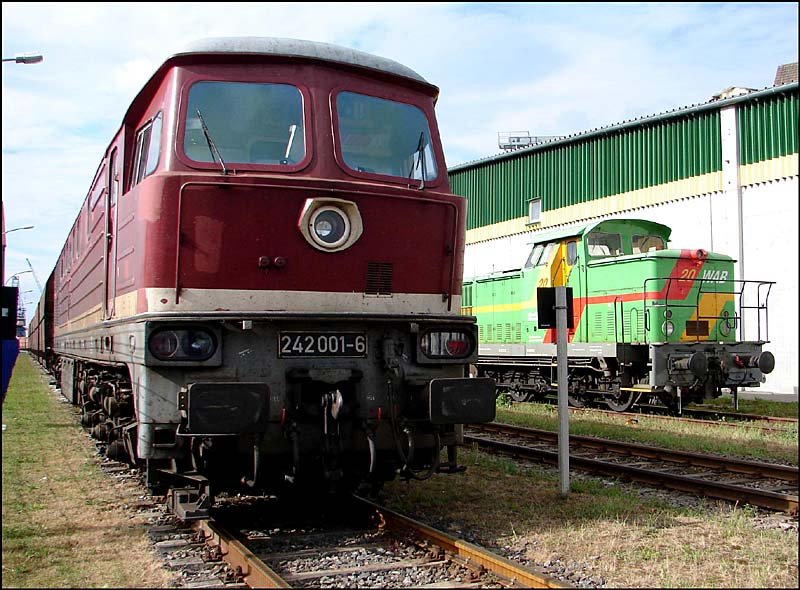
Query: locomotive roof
[584, 228]
[297, 48]
[279, 47]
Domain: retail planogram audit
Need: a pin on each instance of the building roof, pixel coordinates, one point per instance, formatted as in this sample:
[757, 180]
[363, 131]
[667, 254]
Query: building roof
[786, 74]
[636, 122]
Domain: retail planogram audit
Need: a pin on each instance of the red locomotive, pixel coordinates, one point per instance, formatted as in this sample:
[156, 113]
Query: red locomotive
[262, 287]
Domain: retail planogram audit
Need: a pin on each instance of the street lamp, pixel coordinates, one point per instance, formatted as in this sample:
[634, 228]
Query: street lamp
[25, 58]
[8, 231]
[16, 274]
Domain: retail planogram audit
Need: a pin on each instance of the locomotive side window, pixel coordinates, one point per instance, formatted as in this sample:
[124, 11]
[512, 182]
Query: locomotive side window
[382, 136]
[547, 255]
[112, 182]
[154, 148]
[642, 244]
[536, 253]
[148, 146]
[248, 123]
[603, 245]
[541, 255]
[572, 252]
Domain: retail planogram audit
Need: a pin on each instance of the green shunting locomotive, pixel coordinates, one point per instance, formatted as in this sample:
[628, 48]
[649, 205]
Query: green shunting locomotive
[651, 324]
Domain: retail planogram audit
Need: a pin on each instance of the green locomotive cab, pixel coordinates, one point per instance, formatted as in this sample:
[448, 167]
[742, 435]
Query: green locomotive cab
[649, 322]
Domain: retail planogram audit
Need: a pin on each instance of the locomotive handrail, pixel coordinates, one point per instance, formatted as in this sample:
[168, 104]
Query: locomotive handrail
[729, 287]
[350, 190]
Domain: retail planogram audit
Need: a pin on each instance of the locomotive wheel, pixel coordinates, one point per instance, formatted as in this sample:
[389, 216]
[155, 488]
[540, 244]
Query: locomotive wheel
[519, 395]
[575, 402]
[621, 402]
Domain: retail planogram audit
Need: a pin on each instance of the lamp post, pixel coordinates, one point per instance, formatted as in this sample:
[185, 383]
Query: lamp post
[8, 231]
[16, 274]
[25, 58]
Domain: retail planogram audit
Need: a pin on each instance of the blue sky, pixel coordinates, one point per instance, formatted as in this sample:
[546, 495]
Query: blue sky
[546, 68]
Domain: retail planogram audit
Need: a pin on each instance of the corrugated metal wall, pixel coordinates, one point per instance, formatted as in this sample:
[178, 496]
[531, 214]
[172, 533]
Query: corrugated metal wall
[767, 128]
[659, 150]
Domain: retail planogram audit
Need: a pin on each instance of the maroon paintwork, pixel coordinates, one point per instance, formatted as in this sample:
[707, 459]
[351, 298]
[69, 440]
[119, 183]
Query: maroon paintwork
[189, 226]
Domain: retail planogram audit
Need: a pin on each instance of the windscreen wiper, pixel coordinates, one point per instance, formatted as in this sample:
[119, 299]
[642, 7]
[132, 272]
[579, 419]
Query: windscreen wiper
[211, 145]
[420, 162]
[292, 131]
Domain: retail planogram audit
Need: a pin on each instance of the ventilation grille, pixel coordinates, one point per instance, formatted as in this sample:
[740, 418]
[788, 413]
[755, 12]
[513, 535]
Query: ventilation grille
[379, 278]
[611, 326]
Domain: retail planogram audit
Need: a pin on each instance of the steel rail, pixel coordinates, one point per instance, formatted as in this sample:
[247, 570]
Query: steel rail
[712, 417]
[770, 470]
[254, 572]
[694, 485]
[739, 416]
[518, 575]
[771, 426]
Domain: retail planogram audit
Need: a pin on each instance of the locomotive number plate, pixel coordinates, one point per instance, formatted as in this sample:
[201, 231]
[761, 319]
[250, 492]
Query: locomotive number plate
[305, 344]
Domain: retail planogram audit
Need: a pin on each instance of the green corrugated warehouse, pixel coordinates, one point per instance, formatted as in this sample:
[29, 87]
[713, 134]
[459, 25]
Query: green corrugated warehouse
[723, 175]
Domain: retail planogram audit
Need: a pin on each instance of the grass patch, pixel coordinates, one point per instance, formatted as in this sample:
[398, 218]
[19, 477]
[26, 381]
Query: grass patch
[63, 521]
[749, 443]
[761, 407]
[608, 530]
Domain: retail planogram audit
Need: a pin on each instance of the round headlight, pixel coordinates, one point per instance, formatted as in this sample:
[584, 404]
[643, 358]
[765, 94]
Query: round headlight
[330, 227]
[198, 344]
[668, 328]
[164, 344]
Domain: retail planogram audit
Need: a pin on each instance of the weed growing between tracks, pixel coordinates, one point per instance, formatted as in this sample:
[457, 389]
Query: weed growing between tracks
[761, 407]
[749, 443]
[604, 532]
[64, 522]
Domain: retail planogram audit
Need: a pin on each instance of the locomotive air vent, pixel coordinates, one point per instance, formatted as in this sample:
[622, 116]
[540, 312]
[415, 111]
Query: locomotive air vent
[379, 278]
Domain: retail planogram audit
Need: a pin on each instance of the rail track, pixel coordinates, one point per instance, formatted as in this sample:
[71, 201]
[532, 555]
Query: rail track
[760, 484]
[358, 544]
[243, 548]
[704, 417]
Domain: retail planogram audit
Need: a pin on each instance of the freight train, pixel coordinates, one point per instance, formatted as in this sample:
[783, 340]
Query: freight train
[261, 290]
[650, 324]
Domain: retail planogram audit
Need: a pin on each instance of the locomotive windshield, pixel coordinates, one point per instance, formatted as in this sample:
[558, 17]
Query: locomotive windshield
[643, 244]
[384, 137]
[250, 123]
[541, 255]
[602, 245]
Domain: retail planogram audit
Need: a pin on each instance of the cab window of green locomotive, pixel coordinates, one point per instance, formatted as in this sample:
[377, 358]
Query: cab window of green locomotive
[541, 255]
[603, 245]
[642, 244]
[547, 255]
[572, 252]
[248, 123]
[382, 136]
[536, 253]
